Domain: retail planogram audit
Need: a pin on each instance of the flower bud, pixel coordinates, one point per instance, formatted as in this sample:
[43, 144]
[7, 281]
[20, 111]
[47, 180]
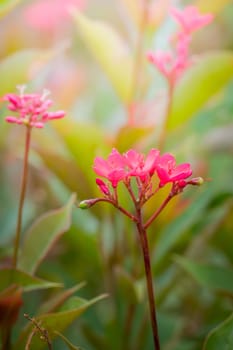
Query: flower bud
[196, 181]
[88, 203]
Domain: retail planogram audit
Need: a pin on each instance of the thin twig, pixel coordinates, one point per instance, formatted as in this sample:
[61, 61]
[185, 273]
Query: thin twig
[158, 211]
[41, 330]
[29, 340]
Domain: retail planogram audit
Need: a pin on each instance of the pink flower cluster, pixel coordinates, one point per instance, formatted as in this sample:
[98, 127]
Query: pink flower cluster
[172, 65]
[132, 164]
[31, 109]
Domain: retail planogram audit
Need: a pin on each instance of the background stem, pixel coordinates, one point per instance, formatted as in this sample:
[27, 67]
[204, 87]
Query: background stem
[163, 134]
[22, 196]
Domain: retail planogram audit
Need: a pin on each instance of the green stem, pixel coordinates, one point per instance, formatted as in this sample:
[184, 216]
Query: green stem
[22, 196]
[128, 325]
[149, 279]
[163, 134]
[137, 67]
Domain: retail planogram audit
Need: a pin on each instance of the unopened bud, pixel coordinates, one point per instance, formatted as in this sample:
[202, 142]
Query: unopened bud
[88, 203]
[102, 186]
[197, 181]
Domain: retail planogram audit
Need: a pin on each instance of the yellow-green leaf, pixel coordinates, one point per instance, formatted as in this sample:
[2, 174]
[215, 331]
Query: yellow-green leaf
[21, 67]
[58, 321]
[213, 6]
[42, 235]
[200, 82]
[109, 50]
[7, 5]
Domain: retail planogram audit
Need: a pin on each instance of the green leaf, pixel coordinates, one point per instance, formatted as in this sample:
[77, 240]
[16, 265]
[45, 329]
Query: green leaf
[58, 321]
[110, 51]
[21, 67]
[67, 171]
[128, 137]
[68, 343]
[221, 337]
[42, 235]
[214, 277]
[56, 301]
[214, 7]
[23, 279]
[175, 231]
[200, 82]
[83, 138]
[7, 5]
[127, 286]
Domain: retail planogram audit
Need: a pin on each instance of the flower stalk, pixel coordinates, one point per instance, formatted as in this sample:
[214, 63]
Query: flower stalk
[134, 166]
[22, 195]
[149, 280]
[29, 110]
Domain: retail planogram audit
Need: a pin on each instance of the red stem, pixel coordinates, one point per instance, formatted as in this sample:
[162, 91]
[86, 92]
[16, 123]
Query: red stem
[149, 280]
[22, 196]
[125, 212]
[158, 211]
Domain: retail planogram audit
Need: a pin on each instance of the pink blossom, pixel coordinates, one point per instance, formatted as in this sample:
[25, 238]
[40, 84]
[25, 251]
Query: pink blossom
[168, 171]
[139, 166]
[112, 168]
[190, 19]
[119, 167]
[172, 65]
[31, 109]
[50, 15]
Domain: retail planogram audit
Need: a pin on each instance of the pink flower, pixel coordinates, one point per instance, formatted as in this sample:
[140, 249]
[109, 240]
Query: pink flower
[50, 15]
[139, 166]
[31, 109]
[190, 19]
[172, 65]
[169, 64]
[168, 171]
[119, 167]
[112, 168]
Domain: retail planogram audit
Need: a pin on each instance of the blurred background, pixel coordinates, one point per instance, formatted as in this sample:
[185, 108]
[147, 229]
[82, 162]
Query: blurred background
[91, 55]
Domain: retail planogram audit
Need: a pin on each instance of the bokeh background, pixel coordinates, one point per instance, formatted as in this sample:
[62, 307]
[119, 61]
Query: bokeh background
[98, 73]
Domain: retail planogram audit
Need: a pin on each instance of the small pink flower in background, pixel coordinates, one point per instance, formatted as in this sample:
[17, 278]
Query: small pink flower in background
[49, 15]
[31, 109]
[168, 171]
[190, 18]
[169, 64]
[173, 64]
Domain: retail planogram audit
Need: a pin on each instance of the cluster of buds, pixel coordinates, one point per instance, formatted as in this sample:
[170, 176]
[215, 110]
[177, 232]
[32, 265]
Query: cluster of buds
[31, 109]
[172, 64]
[151, 173]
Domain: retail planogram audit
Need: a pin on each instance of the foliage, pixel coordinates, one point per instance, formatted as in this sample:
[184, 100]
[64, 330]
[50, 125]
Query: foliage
[113, 98]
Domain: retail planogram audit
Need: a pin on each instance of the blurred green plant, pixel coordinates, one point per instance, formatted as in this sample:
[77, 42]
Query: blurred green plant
[193, 296]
